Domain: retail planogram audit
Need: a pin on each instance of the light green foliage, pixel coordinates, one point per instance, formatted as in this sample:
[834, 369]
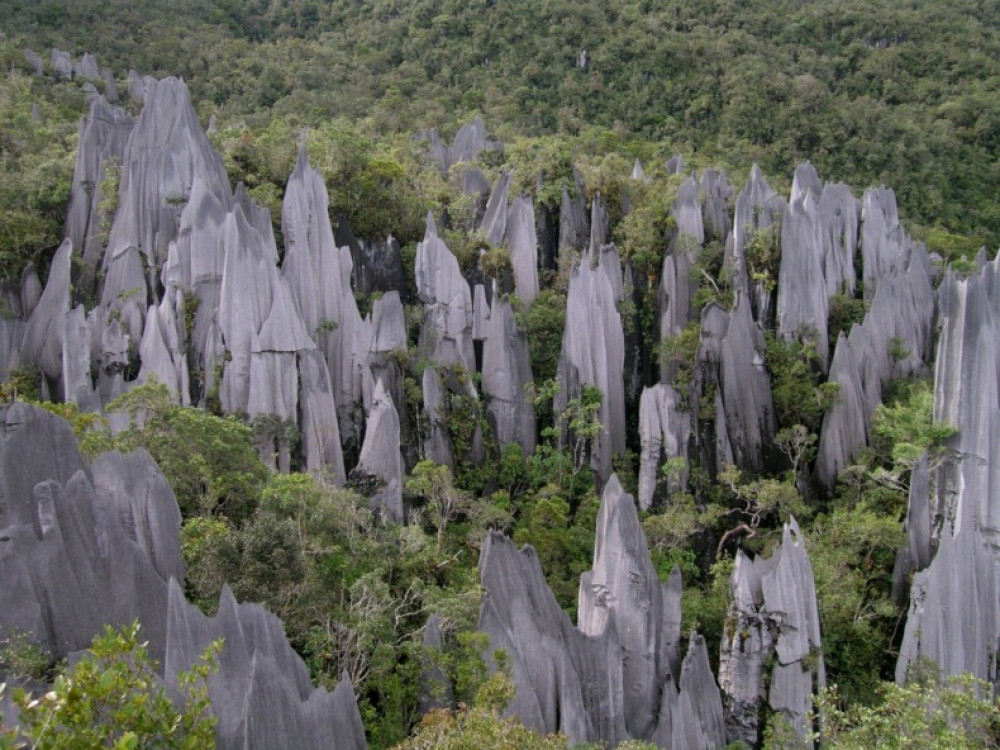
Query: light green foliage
[113, 698]
[953, 714]
[852, 550]
[845, 311]
[21, 658]
[543, 325]
[91, 429]
[480, 725]
[643, 232]
[209, 461]
[36, 168]
[801, 397]
[763, 255]
[433, 482]
[905, 426]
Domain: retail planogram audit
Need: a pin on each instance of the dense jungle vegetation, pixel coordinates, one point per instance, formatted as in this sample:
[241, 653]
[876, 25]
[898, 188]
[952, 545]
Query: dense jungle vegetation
[905, 94]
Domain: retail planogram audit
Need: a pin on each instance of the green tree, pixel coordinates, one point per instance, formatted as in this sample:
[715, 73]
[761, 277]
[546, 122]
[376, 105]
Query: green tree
[113, 698]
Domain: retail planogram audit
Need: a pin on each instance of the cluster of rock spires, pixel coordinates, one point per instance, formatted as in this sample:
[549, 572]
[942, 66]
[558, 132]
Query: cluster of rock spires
[83, 546]
[191, 290]
[619, 674]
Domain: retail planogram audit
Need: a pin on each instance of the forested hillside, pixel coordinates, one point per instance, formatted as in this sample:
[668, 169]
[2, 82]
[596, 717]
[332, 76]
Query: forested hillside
[399, 278]
[902, 94]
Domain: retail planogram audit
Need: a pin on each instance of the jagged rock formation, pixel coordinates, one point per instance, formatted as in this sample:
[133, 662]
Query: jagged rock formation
[758, 215]
[435, 687]
[664, 431]
[522, 242]
[379, 473]
[261, 693]
[103, 134]
[771, 649]
[506, 374]
[593, 354]
[746, 388]
[85, 546]
[618, 674]
[953, 618]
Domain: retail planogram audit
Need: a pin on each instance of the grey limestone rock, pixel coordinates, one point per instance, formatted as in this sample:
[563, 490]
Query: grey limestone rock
[78, 387]
[773, 640]
[884, 244]
[34, 61]
[44, 334]
[675, 164]
[102, 137]
[616, 676]
[623, 585]
[379, 473]
[110, 86]
[802, 297]
[574, 224]
[522, 242]
[664, 431]
[687, 214]
[716, 194]
[600, 226]
[758, 209]
[915, 553]
[480, 314]
[506, 373]
[845, 425]
[377, 264]
[86, 68]
[261, 693]
[318, 424]
[62, 64]
[566, 682]
[164, 153]
[438, 446]
[746, 388]
[494, 222]
[447, 300]
[593, 354]
[840, 215]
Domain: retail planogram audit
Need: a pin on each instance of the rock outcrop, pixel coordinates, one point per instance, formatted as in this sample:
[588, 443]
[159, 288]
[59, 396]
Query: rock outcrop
[83, 546]
[771, 649]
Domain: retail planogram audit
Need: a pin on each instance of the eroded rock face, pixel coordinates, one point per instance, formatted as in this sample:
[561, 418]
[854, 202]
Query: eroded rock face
[953, 618]
[261, 692]
[772, 639]
[664, 431]
[619, 674]
[758, 209]
[522, 242]
[593, 354]
[83, 547]
[379, 473]
[506, 373]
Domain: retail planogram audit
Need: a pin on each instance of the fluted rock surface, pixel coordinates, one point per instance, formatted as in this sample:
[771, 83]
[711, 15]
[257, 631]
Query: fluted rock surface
[772, 648]
[522, 243]
[261, 693]
[506, 374]
[664, 431]
[619, 674]
[593, 354]
[379, 473]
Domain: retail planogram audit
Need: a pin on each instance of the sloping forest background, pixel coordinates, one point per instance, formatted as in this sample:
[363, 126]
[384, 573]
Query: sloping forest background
[871, 91]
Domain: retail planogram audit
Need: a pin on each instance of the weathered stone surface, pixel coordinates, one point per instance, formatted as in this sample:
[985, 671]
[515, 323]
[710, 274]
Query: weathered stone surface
[600, 226]
[62, 64]
[86, 67]
[377, 265]
[494, 222]
[840, 215]
[34, 61]
[102, 136]
[379, 473]
[758, 209]
[916, 552]
[664, 431]
[845, 424]
[506, 373]
[616, 675]
[803, 307]
[716, 195]
[574, 224]
[593, 354]
[884, 244]
[746, 388]
[522, 243]
[261, 692]
[164, 152]
[447, 298]
[687, 214]
[78, 388]
[44, 334]
[623, 585]
[774, 639]
[318, 425]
